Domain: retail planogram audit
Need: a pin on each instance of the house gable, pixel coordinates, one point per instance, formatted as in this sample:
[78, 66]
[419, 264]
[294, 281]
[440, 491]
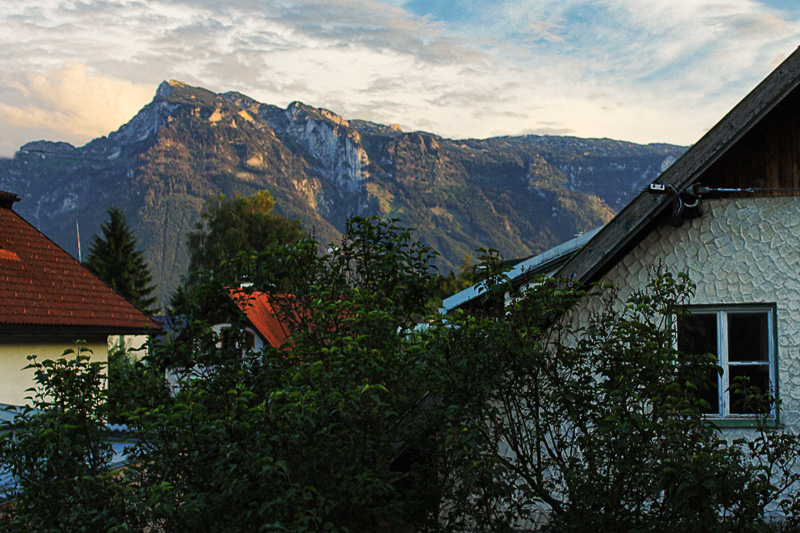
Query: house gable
[742, 252]
[748, 126]
[766, 157]
[48, 301]
[261, 315]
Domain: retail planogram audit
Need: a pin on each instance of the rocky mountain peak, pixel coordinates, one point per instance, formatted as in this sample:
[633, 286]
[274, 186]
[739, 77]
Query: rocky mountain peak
[519, 195]
[47, 147]
[165, 88]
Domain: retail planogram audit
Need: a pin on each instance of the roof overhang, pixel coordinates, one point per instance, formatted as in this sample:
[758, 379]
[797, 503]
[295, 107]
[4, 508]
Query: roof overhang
[542, 264]
[7, 199]
[42, 330]
[636, 219]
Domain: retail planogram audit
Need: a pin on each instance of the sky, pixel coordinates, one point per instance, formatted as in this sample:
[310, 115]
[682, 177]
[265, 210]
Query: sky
[637, 70]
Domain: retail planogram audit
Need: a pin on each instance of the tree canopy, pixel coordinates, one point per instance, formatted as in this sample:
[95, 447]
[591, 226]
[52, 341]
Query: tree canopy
[239, 224]
[114, 257]
[229, 227]
[506, 417]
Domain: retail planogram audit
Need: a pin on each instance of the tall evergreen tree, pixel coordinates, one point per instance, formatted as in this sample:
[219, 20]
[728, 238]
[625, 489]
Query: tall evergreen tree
[115, 259]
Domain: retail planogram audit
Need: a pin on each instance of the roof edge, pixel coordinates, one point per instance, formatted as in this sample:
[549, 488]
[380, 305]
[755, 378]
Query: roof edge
[523, 270]
[629, 225]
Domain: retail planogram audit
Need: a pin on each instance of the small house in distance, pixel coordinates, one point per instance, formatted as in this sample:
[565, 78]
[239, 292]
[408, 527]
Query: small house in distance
[262, 325]
[48, 301]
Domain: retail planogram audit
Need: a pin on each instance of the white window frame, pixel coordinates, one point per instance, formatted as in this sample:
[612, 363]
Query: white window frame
[721, 312]
[219, 330]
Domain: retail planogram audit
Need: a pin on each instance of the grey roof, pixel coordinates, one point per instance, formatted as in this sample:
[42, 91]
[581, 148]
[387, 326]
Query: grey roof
[546, 263]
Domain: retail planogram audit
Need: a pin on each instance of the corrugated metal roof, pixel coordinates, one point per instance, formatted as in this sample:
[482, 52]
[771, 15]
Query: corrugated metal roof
[41, 284]
[544, 263]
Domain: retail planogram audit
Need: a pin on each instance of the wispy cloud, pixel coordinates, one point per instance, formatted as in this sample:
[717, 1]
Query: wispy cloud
[642, 70]
[71, 101]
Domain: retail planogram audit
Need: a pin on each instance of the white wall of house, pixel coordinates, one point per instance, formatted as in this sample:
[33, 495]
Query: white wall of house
[175, 376]
[257, 340]
[14, 350]
[134, 345]
[740, 251]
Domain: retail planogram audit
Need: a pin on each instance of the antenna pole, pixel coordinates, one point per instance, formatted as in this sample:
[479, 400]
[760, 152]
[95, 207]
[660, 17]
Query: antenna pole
[78, 232]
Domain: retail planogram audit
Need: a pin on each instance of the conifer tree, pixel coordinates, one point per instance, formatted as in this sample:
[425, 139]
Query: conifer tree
[114, 257]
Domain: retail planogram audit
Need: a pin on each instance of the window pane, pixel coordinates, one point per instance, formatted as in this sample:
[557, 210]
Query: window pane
[742, 377]
[697, 334]
[226, 339]
[249, 339]
[747, 337]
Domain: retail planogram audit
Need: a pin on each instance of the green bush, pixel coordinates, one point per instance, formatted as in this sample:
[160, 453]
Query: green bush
[514, 415]
[57, 449]
[594, 425]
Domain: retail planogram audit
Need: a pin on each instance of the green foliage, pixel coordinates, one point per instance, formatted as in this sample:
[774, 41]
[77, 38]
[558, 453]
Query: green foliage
[304, 439]
[230, 227]
[134, 383]
[452, 283]
[594, 427]
[115, 259]
[241, 224]
[58, 451]
[527, 412]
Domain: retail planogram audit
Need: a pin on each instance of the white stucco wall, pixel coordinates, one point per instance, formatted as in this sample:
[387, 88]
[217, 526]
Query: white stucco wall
[14, 350]
[740, 251]
[134, 345]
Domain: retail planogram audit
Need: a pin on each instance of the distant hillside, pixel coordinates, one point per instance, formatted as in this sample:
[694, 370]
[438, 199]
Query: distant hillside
[520, 195]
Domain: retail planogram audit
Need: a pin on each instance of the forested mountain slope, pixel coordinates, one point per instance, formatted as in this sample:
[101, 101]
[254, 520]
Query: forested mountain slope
[520, 195]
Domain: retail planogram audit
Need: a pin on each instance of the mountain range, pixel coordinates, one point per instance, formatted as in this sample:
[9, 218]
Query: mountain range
[517, 194]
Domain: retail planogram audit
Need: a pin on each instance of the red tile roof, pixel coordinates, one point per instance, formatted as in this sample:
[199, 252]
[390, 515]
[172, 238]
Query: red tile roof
[42, 285]
[261, 314]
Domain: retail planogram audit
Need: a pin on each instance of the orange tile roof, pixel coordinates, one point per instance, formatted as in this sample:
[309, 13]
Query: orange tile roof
[42, 285]
[261, 314]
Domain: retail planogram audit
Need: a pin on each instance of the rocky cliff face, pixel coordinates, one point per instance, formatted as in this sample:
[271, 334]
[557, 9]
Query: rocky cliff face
[520, 195]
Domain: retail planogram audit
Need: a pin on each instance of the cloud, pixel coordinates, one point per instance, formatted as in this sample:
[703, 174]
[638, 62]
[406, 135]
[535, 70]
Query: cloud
[545, 30]
[548, 130]
[73, 101]
[643, 70]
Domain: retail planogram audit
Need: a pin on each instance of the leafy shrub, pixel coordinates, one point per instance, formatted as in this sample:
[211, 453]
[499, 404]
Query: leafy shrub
[57, 449]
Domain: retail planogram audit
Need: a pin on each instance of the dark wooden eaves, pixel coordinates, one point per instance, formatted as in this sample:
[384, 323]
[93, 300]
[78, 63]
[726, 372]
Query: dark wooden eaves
[7, 199]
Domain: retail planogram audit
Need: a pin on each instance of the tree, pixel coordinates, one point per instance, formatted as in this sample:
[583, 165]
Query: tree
[58, 451]
[241, 224]
[227, 228]
[508, 416]
[115, 259]
[596, 426]
[306, 439]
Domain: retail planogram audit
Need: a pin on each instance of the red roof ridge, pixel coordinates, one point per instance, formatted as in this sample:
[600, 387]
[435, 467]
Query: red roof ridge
[259, 311]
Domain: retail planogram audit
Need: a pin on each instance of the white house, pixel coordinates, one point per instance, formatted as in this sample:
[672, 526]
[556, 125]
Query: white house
[727, 213]
[48, 300]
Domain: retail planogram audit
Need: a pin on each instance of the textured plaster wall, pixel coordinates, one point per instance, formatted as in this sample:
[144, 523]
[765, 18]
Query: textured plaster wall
[14, 350]
[739, 251]
[134, 345]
